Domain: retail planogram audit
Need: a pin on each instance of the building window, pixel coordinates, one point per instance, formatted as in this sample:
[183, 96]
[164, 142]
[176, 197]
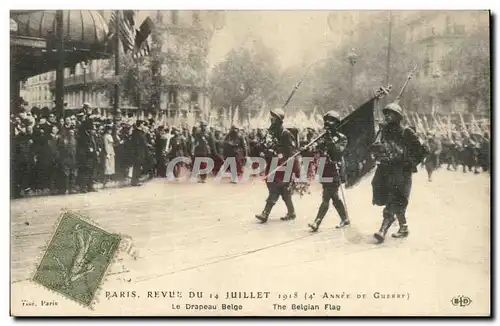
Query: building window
[194, 96]
[175, 17]
[72, 70]
[196, 18]
[172, 96]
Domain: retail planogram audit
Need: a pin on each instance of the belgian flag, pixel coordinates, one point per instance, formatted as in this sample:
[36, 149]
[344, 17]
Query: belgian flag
[359, 128]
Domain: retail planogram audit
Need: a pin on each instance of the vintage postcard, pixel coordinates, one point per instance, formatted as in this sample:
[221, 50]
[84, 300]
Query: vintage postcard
[250, 163]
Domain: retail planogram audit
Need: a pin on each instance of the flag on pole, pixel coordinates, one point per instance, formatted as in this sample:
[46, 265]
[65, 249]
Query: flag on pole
[126, 28]
[359, 128]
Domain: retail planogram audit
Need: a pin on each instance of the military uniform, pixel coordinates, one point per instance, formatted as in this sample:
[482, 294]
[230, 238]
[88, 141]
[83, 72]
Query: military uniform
[331, 147]
[284, 146]
[434, 151]
[236, 146]
[203, 146]
[399, 152]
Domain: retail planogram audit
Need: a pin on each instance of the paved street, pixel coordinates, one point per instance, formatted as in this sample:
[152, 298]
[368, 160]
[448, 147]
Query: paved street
[204, 237]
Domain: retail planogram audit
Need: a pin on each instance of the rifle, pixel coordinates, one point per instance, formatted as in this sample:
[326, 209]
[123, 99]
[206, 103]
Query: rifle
[379, 93]
[296, 87]
[403, 88]
[410, 76]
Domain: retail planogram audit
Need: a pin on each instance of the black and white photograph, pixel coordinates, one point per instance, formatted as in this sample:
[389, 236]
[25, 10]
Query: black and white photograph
[317, 163]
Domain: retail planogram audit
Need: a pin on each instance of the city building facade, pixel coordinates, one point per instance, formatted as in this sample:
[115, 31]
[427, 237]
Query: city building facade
[432, 35]
[89, 81]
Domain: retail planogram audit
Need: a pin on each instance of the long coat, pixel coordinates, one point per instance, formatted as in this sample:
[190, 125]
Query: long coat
[67, 150]
[138, 146]
[109, 155]
[87, 150]
[401, 154]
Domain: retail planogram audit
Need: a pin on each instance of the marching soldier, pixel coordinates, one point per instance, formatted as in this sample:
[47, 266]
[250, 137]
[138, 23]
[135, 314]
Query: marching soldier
[283, 146]
[236, 146]
[434, 151]
[450, 148]
[398, 152]
[204, 146]
[331, 147]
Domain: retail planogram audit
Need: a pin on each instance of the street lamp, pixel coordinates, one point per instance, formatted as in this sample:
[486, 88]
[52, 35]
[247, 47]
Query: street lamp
[352, 56]
[84, 65]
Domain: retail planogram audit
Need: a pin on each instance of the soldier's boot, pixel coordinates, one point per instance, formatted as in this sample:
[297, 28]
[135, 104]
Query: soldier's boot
[262, 217]
[290, 215]
[403, 231]
[386, 224]
[339, 206]
[323, 209]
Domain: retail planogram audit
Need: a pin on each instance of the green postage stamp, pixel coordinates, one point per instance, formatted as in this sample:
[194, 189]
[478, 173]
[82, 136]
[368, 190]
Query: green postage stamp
[76, 259]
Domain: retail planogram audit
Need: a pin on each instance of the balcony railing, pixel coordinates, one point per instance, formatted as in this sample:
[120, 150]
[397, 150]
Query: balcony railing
[77, 80]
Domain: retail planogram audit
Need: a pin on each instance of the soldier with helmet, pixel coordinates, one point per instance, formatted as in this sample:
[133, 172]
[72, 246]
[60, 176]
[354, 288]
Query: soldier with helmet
[434, 149]
[236, 146]
[283, 146]
[331, 147]
[203, 146]
[398, 152]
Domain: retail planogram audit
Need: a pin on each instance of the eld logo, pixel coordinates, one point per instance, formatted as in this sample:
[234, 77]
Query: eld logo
[461, 301]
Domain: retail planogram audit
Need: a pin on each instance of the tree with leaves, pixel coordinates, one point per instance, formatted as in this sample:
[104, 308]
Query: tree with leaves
[246, 79]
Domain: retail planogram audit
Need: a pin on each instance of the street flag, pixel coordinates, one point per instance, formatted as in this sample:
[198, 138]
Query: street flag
[126, 28]
[142, 39]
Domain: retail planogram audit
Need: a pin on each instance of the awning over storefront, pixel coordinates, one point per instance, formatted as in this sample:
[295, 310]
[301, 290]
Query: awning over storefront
[33, 40]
